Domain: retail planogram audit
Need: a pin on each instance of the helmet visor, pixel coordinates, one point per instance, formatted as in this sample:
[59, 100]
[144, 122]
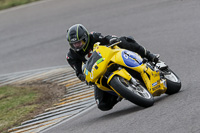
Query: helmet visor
[78, 45]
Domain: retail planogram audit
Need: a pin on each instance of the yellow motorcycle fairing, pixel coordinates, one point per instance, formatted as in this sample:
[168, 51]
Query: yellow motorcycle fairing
[99, 63]
[151, 78]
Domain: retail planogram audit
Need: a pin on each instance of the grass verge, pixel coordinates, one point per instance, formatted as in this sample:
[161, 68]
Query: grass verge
[22, 102]
[4, 4]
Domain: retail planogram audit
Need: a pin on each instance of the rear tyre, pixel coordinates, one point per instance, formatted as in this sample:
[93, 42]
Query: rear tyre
[136, 94]
[173, 82]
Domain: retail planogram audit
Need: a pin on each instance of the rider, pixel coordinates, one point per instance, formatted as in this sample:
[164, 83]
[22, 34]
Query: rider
[81, 44]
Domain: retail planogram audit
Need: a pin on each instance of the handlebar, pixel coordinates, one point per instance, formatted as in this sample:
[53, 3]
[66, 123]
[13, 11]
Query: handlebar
[114, 44]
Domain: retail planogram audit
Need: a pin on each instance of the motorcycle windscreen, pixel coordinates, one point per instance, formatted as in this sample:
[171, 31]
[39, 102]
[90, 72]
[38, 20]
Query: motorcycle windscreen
[94, 69]
[93, 59]
[131, 59]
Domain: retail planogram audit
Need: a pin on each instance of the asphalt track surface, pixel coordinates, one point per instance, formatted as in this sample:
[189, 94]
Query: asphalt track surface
[33, 37]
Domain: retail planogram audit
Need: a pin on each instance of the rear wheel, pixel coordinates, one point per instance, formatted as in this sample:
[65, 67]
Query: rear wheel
[173, 82]
[136, 94]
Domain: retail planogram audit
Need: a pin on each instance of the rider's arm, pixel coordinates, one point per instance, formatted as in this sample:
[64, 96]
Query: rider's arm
[76, 64]
[98, 37]
[130, 44]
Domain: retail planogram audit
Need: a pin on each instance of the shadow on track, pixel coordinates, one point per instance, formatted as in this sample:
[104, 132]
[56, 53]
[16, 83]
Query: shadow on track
[130, 109]
[122, 112]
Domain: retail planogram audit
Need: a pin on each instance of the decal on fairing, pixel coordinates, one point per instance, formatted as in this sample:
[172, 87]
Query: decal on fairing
[86, 72]
[100, 60]
[165, 84]
[99, 53]
[131, 59]
[154, 84]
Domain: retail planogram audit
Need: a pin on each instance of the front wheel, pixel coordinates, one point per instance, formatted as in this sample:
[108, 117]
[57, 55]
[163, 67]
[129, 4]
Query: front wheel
[136, 94]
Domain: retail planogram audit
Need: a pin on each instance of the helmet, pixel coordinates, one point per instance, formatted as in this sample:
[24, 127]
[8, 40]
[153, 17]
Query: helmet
[78, 37]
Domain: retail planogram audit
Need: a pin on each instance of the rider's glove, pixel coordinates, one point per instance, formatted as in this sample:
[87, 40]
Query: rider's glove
[81, 77]
[153, 57]
[156, 59]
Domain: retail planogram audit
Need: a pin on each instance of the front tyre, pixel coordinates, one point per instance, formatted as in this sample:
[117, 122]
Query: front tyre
[136, 94]
[173, 82]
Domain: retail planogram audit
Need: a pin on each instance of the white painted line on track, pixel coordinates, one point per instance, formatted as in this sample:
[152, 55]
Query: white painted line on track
[78, 99]
[64, 121]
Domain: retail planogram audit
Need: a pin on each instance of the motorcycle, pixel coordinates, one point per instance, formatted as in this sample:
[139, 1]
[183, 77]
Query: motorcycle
[124, 73]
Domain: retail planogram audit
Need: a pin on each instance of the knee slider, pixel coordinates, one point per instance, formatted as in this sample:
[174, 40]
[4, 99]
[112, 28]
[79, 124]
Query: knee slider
[104, 107]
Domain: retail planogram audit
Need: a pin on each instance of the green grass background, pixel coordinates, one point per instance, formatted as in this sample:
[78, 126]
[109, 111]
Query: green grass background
[4, 4]
[15, 104]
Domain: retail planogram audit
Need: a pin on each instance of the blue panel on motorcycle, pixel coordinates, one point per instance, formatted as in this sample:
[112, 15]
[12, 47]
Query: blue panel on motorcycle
[131, 59]
[86, 72]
